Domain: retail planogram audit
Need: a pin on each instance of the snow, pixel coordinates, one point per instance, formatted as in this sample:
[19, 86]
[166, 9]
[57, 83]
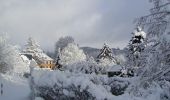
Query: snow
[14, 88]
[39, 98]
[82, 77]
[139, 32]
[25, 59]
[115, 68]
[93, 84]
[71, 54]
[43, 56]
[105, 58]
[47, 78]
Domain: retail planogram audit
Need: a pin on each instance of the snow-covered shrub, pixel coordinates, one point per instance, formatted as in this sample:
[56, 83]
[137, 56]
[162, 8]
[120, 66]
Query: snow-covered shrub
[86, 67]
[63, 93]
[39, 98]
[71, 54]
[90, 66]
[165, 86]
[118, 85]
[151, 91]
[58, 85]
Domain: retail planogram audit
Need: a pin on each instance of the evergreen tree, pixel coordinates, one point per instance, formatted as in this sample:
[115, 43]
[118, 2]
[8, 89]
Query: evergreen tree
[58, 60]
[32, 46]
[136, 45]
[105, 55]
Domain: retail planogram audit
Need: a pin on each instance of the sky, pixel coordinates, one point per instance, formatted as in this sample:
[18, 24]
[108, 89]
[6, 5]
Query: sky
[90, 22]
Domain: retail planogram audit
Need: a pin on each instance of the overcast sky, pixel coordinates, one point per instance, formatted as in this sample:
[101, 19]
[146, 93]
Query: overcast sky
[90, 22]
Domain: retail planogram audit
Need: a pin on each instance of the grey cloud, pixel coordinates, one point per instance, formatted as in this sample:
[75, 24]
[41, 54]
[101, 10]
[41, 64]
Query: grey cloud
[90, 22]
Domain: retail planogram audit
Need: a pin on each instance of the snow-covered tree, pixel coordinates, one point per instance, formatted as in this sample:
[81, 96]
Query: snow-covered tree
[58, 64]
[32, 65]
[157, 22]
[71, 54]
[156, 72]
[105, 57]
[157, 68]
[10, 60]
[136, 46]
[158, 65]
[62, 43]
[32, 46]
[137, 43]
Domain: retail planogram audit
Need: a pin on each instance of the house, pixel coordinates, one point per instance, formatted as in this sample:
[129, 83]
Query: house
[114, 71]
[42, 60]
[118, 70]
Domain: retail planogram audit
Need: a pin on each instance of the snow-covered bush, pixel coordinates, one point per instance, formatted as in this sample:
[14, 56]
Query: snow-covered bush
[90, 66]
[71, 54]
[39, 98]
[118, 85]
[150, 91]
[86, 67]
[165, 85]
[54, 85]
[65, 85]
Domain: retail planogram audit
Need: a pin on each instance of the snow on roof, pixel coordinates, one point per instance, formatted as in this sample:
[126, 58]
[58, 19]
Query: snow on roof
[114, 68]
[24, 58]
[43, 56]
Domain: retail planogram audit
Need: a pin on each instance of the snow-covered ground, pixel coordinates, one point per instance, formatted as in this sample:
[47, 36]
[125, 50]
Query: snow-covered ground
[14, 88]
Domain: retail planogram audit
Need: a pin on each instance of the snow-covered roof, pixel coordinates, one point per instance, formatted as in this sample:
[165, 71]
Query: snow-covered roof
[24, 58]
[24, 53]
[43, 56]
[114, 68]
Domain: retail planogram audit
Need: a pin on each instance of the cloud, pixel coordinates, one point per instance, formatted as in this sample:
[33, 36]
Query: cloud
[90, 22]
